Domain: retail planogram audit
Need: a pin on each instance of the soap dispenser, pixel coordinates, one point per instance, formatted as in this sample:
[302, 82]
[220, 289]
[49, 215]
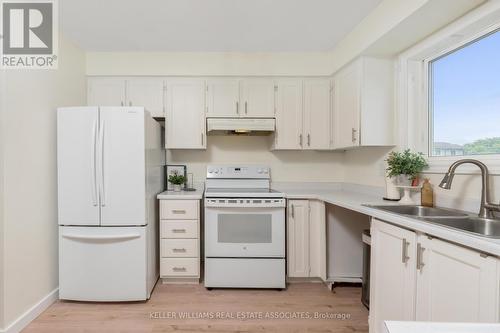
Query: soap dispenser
[427, 194]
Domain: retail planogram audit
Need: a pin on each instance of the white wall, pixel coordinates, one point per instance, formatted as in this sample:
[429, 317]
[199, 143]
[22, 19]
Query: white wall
[2, 234]
[285, 165]
[30, 200]
[207, 64]
[365, 166]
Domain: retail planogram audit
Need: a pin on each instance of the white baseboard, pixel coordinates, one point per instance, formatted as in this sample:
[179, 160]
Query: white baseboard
[27, 317]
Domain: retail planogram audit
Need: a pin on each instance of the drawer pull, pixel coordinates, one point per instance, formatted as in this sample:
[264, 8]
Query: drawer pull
[179, 230]
[179, 211]
[179, 250]
[179, 269]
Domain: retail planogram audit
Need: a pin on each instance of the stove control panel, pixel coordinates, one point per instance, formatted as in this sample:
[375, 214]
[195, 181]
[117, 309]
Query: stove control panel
[238, 171]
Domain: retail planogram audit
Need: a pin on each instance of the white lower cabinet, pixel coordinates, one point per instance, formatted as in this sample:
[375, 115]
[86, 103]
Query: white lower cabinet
[455, 283]
[416, 277]
[306, 239]
[392, 276]
[180, 241]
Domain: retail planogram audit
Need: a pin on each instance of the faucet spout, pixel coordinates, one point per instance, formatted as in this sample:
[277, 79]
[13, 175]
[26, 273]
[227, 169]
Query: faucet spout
[487, 208]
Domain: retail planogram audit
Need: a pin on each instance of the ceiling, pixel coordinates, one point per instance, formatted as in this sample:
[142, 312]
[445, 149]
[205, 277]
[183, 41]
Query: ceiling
[211, 25]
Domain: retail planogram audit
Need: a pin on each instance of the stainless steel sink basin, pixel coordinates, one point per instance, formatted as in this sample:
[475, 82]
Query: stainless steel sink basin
[420, 211]
[448, 218]
[472, 224]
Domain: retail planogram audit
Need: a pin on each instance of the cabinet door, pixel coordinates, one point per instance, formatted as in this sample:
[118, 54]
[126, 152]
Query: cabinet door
[317, 239]
[148, 93]
[392, 284]
[103, 91]
[257, 98]
[223, 98]
[289, 105]
[347, 106]
[455, 284]
[185, 116]
[316, 114]
[298, 238]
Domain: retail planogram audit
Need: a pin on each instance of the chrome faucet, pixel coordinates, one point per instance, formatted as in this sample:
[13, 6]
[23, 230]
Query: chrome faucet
[487, 208]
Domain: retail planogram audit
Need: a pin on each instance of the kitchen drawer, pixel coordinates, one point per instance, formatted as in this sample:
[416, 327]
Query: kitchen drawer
[179, 267]
[179, 248]
[180, 209]
[179, 229]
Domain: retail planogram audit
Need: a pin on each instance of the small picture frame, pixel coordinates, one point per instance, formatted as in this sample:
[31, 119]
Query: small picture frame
[172, 169]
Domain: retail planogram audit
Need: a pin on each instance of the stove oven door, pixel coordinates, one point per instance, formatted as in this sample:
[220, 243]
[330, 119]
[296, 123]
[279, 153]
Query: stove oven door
[233, 231]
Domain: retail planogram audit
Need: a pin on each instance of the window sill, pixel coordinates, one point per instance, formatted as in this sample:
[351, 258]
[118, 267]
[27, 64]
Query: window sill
[440, 165]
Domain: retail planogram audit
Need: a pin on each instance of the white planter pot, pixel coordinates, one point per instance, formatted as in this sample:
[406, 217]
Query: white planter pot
[177, 187]
[391, 191]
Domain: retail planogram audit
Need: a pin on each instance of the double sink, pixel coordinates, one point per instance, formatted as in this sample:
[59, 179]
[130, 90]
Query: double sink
[447, 218]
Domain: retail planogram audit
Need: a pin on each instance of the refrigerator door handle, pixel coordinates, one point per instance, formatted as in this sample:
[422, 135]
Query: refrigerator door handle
[106, 237]
[101, 166]
[93, 161]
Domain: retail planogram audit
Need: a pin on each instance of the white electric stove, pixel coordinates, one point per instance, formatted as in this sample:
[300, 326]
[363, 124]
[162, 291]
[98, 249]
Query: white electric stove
[244, 229]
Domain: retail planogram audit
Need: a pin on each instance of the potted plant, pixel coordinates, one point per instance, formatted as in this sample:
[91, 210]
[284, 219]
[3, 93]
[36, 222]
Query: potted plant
[405, 166]
[177, 180]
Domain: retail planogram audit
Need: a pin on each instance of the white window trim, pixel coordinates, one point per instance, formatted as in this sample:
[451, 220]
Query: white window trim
[412, 95]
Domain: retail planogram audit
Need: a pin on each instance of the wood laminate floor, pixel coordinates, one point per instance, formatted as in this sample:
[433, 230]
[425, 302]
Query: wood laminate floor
[219, 310]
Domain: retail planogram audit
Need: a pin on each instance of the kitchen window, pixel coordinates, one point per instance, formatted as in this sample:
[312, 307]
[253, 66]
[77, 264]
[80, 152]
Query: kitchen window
[464, 99]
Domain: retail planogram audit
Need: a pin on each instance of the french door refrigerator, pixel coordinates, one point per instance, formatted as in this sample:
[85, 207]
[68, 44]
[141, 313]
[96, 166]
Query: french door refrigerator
[110, 169]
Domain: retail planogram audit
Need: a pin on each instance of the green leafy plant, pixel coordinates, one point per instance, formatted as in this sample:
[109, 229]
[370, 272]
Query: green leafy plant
[405, 163]
[176, 179]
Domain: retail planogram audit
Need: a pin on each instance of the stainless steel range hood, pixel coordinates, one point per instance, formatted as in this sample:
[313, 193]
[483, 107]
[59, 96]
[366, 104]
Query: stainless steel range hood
[240, 126]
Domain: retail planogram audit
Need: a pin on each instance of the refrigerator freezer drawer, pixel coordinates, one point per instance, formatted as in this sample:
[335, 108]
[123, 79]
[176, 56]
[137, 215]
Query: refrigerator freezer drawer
[103, 263]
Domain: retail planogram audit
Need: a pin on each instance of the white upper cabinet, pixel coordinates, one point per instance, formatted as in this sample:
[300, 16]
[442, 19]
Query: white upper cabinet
[455, 284]
[147, 92]
[257, 98]
[185, 114]
[289, 106]
[252, 98]
[316, 125]
[364, 93]
[223, 98]
[392, 275]
[106, 91]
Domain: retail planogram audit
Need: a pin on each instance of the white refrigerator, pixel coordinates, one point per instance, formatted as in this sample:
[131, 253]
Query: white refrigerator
[110, 169]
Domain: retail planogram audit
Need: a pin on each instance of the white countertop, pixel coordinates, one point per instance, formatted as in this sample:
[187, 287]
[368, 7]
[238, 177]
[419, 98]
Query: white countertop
[426, 327]
[184, 195]
[355, 197]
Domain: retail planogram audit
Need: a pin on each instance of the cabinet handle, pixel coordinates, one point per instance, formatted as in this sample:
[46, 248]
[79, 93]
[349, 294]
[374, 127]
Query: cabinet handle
[246, 107]
[309, 139]
[179, 269]
[293, 210]
[237, 107]
[404, 251]
[420, 252]
[353, 133]
[300, 139]
[178, 211]
[177, 231]
[179, 250]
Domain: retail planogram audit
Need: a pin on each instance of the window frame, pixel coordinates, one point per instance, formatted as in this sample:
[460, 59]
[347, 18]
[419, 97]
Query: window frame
[413, 97]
